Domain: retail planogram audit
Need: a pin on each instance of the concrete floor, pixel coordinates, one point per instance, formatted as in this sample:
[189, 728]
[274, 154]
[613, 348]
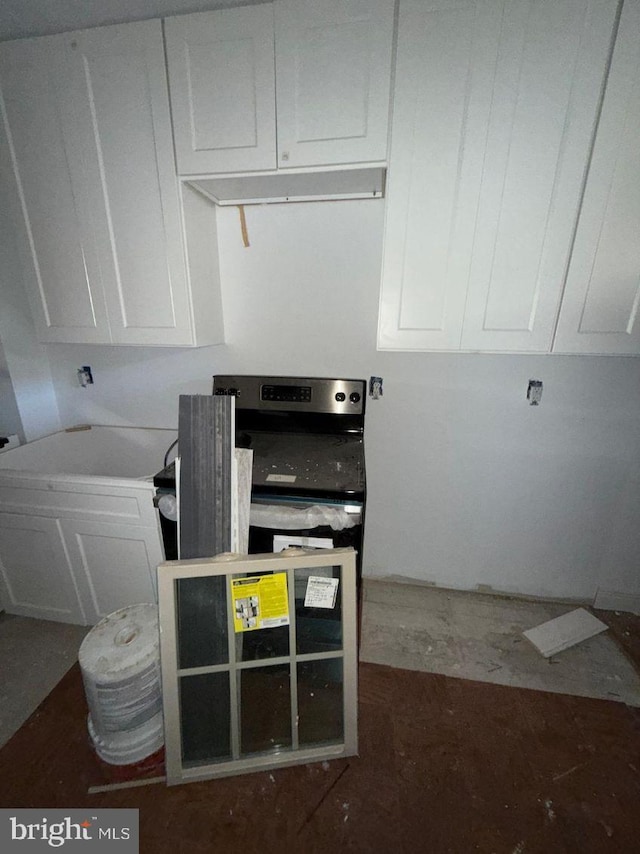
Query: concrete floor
[34, 656]
[479, 636]
[454, 633]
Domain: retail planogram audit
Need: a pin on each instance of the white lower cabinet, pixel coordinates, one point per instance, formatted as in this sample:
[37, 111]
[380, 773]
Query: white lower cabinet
[74, 548]
[75, 570]
[114, 565]
[495, 109]
[88, 138]
[36, 575]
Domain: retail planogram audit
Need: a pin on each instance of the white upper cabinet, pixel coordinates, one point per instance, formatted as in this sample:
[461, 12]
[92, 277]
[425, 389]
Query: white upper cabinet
[221, 72]
[333, 73]
[114, 106]
[310, 89]
[600, 305]
[59, 249]
[88, 122]
[494, 112]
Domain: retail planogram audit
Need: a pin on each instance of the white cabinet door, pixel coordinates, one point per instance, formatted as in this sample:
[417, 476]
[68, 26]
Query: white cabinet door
[444, 70]
[221, 75]
[333, 78]
[57, 236]
[538, 144]
[600, 305]
[114, 564]
[88, 137]
[36, 577]
[494, 111]
[115, 109]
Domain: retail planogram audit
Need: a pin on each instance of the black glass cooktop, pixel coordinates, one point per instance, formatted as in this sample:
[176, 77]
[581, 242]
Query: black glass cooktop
[306, 463]
[299, 464]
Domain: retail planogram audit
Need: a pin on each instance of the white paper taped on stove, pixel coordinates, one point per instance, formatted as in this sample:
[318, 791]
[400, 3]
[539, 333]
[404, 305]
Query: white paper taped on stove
[299, 519]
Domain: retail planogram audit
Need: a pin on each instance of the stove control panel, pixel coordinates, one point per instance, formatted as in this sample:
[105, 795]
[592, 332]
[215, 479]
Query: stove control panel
[286, 393]
[289, 394]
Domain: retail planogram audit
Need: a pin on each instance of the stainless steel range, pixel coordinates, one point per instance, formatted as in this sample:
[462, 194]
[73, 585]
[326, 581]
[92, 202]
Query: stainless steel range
[309, 481]
[307, 437]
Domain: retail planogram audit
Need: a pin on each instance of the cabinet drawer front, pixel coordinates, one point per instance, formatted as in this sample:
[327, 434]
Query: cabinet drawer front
[85, 501]
[221, 75]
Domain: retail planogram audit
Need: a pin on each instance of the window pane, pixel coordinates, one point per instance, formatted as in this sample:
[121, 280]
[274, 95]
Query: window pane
[320, 702]
[265, 709]
[204, 718]
[319, 623]
[201, 608]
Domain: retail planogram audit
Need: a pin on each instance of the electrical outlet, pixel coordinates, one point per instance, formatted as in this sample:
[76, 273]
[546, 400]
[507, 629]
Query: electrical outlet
[534, 392]
[85, 377]
[375, 387]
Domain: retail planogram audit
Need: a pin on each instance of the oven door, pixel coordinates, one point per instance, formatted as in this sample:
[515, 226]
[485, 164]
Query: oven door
[278, 522]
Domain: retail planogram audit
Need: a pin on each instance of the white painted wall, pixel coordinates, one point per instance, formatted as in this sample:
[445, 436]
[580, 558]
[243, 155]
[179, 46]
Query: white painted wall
[467, 484]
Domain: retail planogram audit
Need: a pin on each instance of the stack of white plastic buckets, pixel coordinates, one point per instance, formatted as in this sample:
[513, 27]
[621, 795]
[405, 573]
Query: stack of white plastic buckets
[120, 663]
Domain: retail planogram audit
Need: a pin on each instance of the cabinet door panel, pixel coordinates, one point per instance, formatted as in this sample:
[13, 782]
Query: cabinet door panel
[551, 66]
[115, 564]
[602, 295]
[444, 72]
[56, 236]
[333, 75]
[36, 578]
[117, 105]
[494, 114]
[221, 74]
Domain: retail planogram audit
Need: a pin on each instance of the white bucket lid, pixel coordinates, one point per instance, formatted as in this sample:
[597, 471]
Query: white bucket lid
[125, 641]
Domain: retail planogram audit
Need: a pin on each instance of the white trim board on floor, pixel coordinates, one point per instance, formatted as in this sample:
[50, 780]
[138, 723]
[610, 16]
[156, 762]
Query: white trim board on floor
[610, 600]
[559, 634]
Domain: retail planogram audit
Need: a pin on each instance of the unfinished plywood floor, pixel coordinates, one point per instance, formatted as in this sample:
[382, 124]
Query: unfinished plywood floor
[477, 636]
[454, 633]
[445, 765]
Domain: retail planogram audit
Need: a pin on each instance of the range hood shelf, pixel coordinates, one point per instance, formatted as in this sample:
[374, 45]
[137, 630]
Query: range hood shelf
[291, 186]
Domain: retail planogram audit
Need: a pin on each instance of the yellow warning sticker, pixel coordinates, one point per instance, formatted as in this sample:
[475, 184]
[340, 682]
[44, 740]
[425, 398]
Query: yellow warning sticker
[260, 602]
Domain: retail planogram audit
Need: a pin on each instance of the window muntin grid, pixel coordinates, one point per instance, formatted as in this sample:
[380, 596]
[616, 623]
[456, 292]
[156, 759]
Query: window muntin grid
[303, 681]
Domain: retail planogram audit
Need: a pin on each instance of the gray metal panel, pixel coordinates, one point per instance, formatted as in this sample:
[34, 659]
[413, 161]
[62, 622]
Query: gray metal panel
[206, 440]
